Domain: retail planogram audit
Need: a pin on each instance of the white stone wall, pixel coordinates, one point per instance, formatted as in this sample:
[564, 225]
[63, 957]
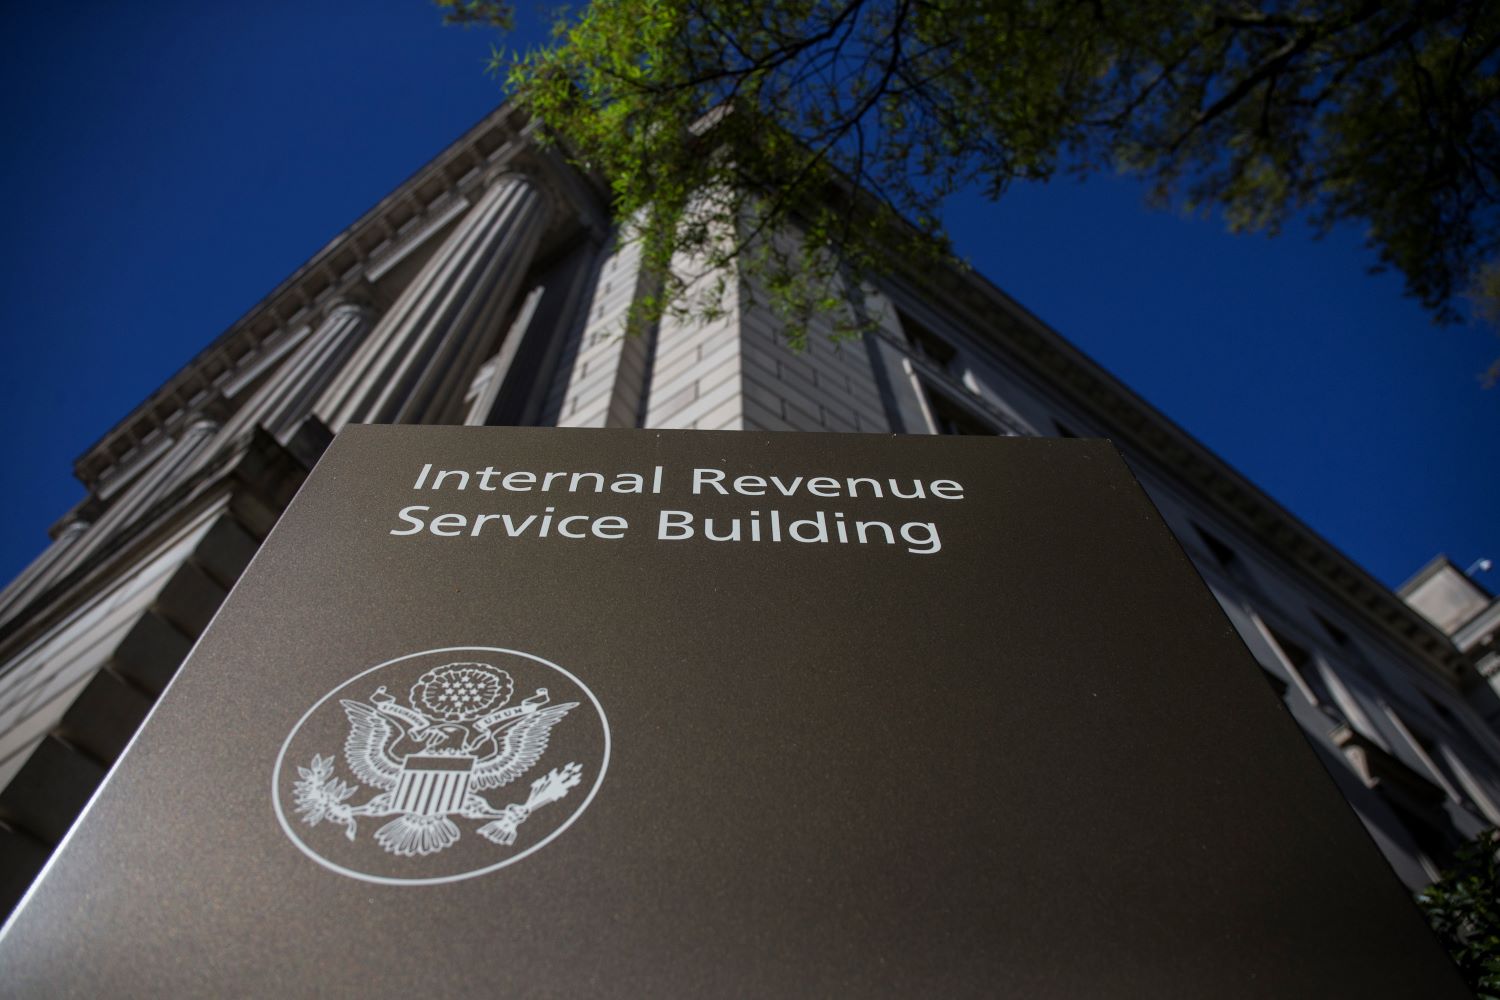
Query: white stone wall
[607, 365]
[734, 372]
[696, 379]
[828, 386]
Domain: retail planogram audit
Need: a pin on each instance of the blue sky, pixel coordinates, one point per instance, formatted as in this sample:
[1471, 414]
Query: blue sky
[169, 163]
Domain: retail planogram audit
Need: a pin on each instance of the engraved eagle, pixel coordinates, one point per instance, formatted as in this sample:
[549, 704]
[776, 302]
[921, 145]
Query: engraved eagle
[508, 752]
[428, 765]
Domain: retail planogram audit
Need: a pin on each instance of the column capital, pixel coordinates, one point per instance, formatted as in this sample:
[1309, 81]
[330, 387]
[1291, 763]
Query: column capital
[509, 171]
[351, 305]
[573, 197]
[73, 528]
[521, 172]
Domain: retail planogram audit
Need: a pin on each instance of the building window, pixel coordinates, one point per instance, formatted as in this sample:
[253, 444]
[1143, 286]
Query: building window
[1338, 635]
[1435, 843]
[927, 345]
[1299, 663]
[1441, 710]
[1278, 685]
[1430, 754]
[1222, 553]
[951, 418]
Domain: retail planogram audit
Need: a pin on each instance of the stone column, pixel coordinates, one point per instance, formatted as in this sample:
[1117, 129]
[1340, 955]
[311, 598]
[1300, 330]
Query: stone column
[138, 497]
[36, 576]
[289, 392]
[315, 365]
[413, 366]
[154, 484]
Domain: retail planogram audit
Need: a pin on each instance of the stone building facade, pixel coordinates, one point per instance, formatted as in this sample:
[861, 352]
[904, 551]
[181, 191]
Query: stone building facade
[489, 289]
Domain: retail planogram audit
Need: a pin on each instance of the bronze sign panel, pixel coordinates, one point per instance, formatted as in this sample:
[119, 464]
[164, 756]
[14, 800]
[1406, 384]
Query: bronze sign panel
[517, 711]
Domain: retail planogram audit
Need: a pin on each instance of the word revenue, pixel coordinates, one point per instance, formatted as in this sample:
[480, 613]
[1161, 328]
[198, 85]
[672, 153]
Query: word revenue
[918, 537]
[704, 482]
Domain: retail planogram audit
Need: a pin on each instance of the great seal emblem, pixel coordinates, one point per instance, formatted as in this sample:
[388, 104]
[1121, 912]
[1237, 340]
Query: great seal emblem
[431, 743]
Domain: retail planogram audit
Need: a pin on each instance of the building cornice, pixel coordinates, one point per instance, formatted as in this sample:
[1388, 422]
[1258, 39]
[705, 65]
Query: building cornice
[429, 197]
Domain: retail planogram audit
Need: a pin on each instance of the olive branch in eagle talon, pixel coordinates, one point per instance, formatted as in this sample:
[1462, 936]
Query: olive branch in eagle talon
[319, 795]
[428, 766]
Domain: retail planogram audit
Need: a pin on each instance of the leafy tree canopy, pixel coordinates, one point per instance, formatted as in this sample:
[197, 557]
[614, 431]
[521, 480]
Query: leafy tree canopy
[1382, 113]
[1463, 907]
